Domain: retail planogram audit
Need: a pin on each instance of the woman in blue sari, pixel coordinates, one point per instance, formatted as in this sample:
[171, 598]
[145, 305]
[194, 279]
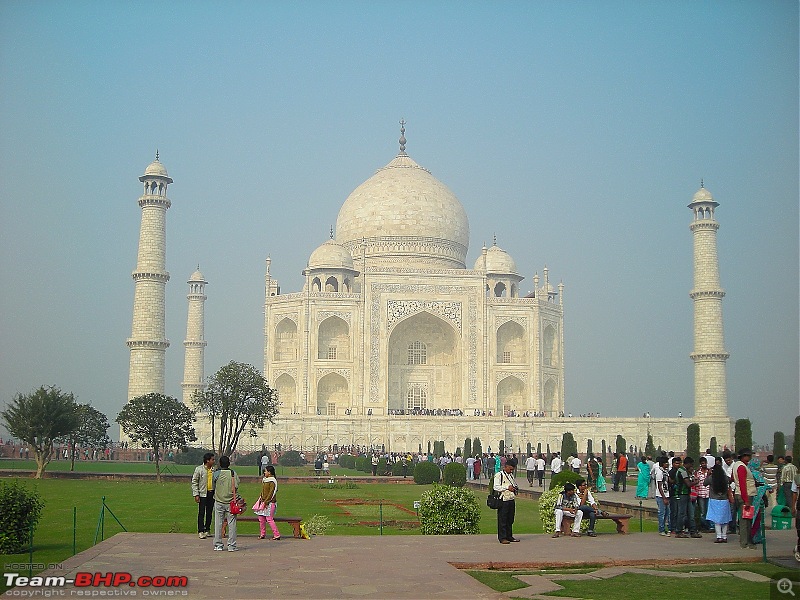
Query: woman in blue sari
[758, 501]
[601, 481]
[643, 482]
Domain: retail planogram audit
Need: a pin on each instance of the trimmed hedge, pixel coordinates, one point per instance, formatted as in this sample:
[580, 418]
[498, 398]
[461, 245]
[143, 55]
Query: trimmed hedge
[455, 475]
[426, 473]
[446, 510]
[21, 511]
[347, 461]
[290, 459]
[559, 479]
[363, 464]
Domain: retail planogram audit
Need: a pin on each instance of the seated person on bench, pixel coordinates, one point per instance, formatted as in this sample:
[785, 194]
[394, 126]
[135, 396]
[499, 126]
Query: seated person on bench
[567, 504]
[587, 504]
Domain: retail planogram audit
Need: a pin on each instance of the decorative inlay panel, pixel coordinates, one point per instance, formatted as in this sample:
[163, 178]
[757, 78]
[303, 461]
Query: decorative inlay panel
[344, 316]
[521, 375]
[397, 310]
[343, 372]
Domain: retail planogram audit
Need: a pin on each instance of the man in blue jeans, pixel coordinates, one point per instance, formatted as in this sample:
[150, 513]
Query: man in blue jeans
[662, 495]
[684, 480]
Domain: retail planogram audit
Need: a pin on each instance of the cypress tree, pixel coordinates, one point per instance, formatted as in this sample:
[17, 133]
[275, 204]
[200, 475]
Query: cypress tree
[693, 441]
[476, 446]
[621, 445]
[779, 444]
[468, 447]
[713, 446]
[743, 435]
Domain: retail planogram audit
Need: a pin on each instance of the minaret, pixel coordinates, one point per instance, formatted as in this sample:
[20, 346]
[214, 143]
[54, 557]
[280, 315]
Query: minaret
[147, 342]
[709, 356]
[193, 366]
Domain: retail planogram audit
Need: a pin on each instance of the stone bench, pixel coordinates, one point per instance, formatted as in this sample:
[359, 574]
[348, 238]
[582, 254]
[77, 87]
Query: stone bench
[293, 521]
[618, 518]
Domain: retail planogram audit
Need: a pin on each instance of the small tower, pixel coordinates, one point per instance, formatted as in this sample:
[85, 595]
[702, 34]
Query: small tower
[709, 356]
[147, 342]
[195, 344]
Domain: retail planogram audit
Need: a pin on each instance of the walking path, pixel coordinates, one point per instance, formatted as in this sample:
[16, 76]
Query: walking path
[382, 567]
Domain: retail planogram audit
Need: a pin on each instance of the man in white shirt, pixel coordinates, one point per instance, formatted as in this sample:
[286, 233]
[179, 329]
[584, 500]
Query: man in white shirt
[662, 495]
[710, 460]
[505, 486]
[540, 469]
[555, 464]
[530, 469]
[576, 464]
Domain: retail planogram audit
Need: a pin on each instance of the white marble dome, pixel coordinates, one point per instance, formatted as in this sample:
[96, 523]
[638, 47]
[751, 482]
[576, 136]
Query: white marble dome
[403, 214]
[197, 276]
[702, 195]
[156, 168]
[498, 261]
[331, 255]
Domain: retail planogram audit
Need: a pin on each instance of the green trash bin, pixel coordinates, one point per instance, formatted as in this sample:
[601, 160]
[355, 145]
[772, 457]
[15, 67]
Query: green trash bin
[781, 517]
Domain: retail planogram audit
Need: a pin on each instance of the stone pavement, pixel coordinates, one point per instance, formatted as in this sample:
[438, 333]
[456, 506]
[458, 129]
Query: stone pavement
[385, 567]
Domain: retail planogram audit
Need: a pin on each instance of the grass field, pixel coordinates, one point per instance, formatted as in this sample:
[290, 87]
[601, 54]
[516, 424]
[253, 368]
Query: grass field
[631, 586]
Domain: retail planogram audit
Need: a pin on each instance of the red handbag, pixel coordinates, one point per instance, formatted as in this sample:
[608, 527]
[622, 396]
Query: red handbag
[748, 512]
[237, 504]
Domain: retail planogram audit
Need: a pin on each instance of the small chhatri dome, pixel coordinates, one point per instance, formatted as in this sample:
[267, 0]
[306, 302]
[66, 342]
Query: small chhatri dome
[498, 261]
[331, 255]
[197, 276]
[702, 195]
[156, 168]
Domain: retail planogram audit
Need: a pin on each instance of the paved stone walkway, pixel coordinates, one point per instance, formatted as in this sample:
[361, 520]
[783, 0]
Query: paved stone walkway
[385, 567]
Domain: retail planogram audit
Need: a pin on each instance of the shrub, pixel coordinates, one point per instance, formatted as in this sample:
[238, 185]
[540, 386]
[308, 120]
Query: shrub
[317, 525]
[363, 464]
[448, 510]
[244, 460]
[426, 473]
[191, 456]
[743, 434]
[21, 511]
[381, 466]
[455, 475]
[290, 459]
[559, 479]
[547, 503]
[397, 468]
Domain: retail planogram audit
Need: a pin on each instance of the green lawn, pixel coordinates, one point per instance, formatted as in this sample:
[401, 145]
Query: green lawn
[631, 586]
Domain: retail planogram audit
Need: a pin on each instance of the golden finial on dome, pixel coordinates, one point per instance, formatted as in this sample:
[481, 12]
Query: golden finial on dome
[156, 153]
[331, 231]
[701, 183]
[402, 136]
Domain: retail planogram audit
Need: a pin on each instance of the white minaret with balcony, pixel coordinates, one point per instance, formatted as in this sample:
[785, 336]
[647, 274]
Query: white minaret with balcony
[709, 356]
[148, 343]
[195, 343]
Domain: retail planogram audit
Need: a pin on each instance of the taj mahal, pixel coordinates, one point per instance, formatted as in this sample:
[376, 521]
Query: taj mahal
[393, 340]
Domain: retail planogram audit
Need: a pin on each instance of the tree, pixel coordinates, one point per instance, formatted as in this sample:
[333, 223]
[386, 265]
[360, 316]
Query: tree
[693, 441]
[476, 446]
[502, 447]
[712, 445]
[158, 422]
[569, 447]
[603, 455]
[239, 398]
[742, 435]
[796, 443]
[588, 447]
[91, 432]
[650, 447]
[622, 445]
[468, 447]
[779, 444]
[40, 418]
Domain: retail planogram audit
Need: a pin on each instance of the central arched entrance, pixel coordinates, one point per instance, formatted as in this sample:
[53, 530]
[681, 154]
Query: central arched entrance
[424, 365]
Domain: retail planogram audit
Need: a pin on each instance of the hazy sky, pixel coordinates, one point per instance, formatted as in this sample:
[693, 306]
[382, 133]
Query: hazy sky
[576, 131]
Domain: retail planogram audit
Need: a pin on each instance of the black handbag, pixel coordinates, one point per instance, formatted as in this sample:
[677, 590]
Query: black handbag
[493, 501]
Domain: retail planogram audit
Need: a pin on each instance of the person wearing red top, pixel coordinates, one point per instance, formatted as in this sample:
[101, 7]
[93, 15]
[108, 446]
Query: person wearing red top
[745, 490]
[621, 474]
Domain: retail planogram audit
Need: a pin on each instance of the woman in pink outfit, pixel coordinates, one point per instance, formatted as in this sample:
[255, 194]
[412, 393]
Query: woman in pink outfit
[267, 503]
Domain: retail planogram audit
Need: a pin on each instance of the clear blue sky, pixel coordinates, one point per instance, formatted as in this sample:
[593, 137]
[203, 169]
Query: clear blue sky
[576, 131]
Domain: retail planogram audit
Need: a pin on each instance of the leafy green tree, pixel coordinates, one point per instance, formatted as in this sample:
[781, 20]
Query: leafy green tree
[621, 445]
[39, 419]
[693, 441]
[588, 447]
[742, 434]
[712, 445]
[650, 447]
[22, 509]
[502, 447]
[92, 432]
[468, 447]
[238, 397]
[159, 422]
[779, 444]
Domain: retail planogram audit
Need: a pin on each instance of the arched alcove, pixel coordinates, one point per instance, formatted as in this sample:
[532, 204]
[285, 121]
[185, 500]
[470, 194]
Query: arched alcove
[333, 340]
[511, 344]
[332, 395]
[286, 340]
